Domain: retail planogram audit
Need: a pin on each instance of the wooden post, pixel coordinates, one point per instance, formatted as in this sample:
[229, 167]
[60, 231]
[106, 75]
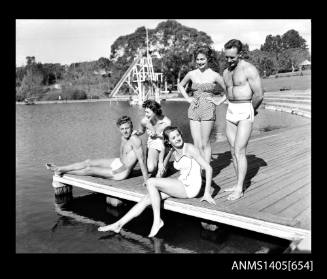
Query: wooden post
[209, 226]
[61, 189]
[113, 201]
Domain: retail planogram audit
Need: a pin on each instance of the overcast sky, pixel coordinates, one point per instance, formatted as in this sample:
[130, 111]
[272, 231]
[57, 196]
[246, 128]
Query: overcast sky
[68, 41]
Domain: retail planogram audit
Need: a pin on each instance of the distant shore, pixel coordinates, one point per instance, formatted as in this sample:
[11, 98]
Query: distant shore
[116, 99]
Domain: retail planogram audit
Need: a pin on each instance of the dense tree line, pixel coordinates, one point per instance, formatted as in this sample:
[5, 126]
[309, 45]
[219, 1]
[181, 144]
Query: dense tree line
[171, 45]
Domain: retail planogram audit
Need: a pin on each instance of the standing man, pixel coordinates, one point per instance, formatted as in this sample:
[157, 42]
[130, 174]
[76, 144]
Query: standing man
[244, 94]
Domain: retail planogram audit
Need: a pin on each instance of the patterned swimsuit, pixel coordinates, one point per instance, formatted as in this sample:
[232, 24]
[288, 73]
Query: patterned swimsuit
[200, 108]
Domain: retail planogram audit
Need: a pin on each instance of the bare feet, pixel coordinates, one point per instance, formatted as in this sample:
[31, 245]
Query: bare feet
[53, 168]
[115, 227]
[230, 189]
[235, 195]
[155, 228]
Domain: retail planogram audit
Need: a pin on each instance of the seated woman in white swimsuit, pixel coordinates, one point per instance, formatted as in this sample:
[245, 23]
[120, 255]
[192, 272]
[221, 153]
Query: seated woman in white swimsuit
[188, 160]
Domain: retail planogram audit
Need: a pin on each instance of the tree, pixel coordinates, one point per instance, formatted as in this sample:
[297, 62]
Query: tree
[272, 44]
[267, 66]
[174, 43]
[30, 60]
[292, 39]
[103, 63]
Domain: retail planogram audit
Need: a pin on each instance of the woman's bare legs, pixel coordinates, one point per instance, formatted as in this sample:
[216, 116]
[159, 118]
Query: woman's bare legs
[206, 128]
[152, 160]
[195, 127]
[172, 187]
[135, 211]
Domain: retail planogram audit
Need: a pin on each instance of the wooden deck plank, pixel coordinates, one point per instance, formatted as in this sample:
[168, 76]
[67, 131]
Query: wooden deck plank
[297, 207]
[304, 217]
[295, 194]
[261, 190]
[264, 180]
[263, 167]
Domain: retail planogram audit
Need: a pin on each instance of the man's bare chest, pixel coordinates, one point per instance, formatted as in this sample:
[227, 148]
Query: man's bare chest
[235, 78]
[126, 147]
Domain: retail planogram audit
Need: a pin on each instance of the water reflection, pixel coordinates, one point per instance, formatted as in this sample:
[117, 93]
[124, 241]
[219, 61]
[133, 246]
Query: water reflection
[92, 210]
[71, 209]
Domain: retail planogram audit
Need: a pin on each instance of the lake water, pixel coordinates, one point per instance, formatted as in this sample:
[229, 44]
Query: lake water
[66, 133]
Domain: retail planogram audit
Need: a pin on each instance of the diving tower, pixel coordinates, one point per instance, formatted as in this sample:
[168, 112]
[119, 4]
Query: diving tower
[141, 78]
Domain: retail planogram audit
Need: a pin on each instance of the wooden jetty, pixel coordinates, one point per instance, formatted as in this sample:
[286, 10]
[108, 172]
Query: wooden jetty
[277, 200]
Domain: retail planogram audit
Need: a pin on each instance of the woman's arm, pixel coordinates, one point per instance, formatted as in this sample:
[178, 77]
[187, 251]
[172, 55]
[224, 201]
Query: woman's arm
[195, 153]
[162, 166]
[219, 79]
[141, 130]
[181, 88]
[219, 100]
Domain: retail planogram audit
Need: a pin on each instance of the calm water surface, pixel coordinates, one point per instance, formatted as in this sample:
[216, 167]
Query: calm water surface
[66, 133]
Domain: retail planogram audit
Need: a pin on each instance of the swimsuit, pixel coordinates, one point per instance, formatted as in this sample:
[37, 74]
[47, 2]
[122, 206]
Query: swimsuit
[239, 110]
[200, 108]
[190, 174]
[157, 142]
[117, 166]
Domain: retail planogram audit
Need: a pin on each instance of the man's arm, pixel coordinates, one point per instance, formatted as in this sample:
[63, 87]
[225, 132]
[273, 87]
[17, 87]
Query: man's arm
[254, 80]
[138, 150]
[221, 82]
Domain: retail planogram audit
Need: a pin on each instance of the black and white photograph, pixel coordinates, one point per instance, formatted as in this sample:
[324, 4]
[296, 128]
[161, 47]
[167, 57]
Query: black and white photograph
[164, 136]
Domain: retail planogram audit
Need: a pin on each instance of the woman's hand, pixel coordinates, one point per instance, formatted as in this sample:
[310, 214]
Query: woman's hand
[190, 99]
[208, 198]
[215, 100]
[151, 133]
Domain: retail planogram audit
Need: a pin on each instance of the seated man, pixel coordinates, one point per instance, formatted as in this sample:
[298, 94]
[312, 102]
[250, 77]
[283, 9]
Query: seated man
[116, 168]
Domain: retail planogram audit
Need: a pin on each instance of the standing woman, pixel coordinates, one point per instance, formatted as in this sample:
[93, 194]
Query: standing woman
[188, 160]
[202, 109]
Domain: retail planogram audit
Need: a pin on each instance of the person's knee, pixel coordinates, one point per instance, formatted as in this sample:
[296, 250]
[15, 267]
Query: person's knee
[232, 150]
[150, 183]
[239, 151]
[207, 145]
[87, 170]
[147, 199]
[87, 163]
[199, 144]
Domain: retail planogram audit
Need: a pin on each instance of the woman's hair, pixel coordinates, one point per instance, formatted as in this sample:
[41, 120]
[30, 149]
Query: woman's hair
[124, 119]
[206, 50]
[166, 133]
[209, 54]
[154, 106]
